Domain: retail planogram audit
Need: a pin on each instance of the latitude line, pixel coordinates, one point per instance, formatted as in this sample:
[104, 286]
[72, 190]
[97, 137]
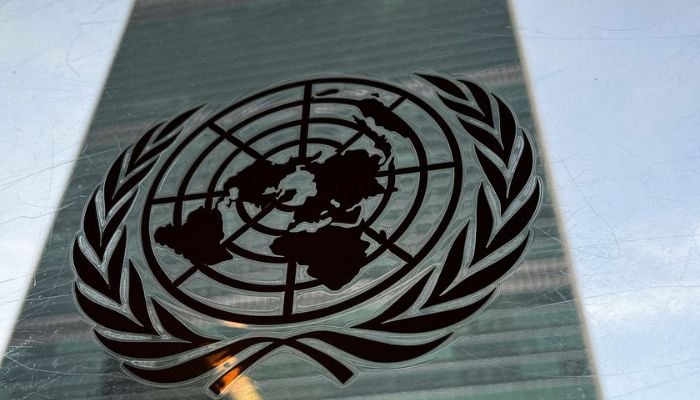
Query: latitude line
[187, 197]
[409, 170]
[288, 302]
[236, 141]
[304, 129]
[401, 253]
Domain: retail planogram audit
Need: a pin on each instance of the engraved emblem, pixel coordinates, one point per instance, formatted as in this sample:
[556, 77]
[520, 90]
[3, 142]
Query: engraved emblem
[348, 220]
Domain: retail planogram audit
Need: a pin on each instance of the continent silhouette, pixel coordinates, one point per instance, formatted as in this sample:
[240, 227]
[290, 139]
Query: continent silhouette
[335, 252]
[254, 181]
[198, 239]
[342, 182]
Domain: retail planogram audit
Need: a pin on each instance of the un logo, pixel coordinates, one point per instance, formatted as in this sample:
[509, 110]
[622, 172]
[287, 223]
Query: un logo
[349, 220]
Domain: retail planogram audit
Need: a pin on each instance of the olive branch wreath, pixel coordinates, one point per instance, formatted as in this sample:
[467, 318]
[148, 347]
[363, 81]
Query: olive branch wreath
[156, 347]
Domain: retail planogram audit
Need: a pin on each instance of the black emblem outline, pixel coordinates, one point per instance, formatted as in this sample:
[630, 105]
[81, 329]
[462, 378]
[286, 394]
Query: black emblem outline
[109, 291]
[394, 278]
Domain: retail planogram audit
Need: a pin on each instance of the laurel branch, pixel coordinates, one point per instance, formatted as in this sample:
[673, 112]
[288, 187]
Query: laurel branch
[509, 174]
[500, 233]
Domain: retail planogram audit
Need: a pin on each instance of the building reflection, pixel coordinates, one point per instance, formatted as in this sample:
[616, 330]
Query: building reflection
[529, 344]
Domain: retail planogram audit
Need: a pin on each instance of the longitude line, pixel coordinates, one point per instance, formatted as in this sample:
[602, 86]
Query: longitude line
[247, 225]
[403, 254]
[349, 142]
[185, 275]
[236, 141]
[396, 103]
[359, 134]
[304, 129]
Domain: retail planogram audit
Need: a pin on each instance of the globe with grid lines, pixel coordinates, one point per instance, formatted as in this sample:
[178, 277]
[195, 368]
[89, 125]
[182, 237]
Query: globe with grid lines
[301, 201]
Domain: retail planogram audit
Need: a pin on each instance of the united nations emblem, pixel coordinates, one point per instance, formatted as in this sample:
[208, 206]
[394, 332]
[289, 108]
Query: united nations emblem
[348, 220]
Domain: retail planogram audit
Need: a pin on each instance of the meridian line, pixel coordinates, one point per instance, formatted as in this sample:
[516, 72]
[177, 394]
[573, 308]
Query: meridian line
[236, 141]
[397, 102]
[304, 129]
[235, 235]
[361, 132]
[349, 143]
[409, 170]
[185, 275]
[403, 254]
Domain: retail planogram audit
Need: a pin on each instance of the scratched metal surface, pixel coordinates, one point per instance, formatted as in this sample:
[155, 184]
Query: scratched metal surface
[530, 342]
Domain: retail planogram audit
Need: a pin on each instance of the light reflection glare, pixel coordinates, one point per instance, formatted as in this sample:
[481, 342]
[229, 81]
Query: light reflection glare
[242, 388]
[236, 325]
[233, 385]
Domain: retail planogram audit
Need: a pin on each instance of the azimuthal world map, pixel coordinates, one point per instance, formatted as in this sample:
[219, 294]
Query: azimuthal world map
[318, 185]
